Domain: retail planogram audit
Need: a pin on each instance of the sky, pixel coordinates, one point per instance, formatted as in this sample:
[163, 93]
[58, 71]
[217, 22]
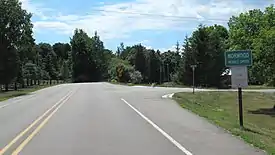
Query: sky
[157, 24]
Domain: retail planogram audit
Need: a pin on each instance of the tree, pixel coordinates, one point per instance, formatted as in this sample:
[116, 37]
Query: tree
[184, 74]
[120, 49]
[30, 72]
[49, 61]
[247, 32]
[89, 60]
[15, 25]
[136, 77]
[125, 53]
[205, 48]
[171, 62]
[120, 70]
[80, 56]
[62, 50]
[98, 58]
[153, 65]
[177, 47]
[264, 55]
[64, 72]
[137, 58]
[9, 63]
[49, 67]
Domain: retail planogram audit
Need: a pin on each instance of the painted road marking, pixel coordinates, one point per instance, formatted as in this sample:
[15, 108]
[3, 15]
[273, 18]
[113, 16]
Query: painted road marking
[30, 137]
[32, 125]
[3, 106]
[168, 95]
[166, 135]
[19, 100]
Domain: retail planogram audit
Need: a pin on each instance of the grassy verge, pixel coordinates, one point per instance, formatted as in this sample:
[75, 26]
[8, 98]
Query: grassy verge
[259, 87]
[21, 92]
[221, 108]
[167, 84]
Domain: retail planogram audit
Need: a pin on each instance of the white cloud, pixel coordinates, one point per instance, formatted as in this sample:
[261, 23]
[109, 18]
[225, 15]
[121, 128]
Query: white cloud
[36, 9]
[172, 48]
[59, 27]
[121, 19]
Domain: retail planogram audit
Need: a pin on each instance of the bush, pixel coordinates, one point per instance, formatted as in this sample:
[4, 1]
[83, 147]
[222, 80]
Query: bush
[136, 77]
[113, 81]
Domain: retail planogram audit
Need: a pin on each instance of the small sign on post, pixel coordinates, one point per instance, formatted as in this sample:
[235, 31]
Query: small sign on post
[193, 69]
[238, 62]
[239, 78]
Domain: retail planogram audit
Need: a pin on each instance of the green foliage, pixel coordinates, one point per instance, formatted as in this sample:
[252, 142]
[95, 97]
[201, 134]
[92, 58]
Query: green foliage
[113, 81]
[254, 30]
[137, 58]
[264, 51]
[62, 50]
[9, 64]
[30, 71]
[205, 48]
[86, 58]
[120, 70]
[136, 77]
[64, 72]
[15, 28]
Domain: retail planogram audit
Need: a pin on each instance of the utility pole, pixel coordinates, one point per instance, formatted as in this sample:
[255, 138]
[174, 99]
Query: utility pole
[193, 68]
[167, 65]
[160, 70]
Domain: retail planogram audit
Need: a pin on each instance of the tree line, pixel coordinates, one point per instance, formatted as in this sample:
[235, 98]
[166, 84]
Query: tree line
[85, 58]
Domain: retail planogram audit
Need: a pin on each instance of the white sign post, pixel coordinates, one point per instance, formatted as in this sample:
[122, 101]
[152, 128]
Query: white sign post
[238, 62]
[239, 77]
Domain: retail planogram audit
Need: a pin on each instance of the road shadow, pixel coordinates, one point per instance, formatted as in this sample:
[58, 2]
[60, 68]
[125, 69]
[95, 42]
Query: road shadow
[263, 111]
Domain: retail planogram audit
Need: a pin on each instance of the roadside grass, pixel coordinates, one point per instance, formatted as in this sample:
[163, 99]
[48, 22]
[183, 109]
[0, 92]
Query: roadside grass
[166, 84]
[259, 87]
[20, 92]
[221, 108]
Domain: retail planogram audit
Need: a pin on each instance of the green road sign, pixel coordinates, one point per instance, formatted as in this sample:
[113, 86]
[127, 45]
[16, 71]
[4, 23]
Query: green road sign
[238, 58]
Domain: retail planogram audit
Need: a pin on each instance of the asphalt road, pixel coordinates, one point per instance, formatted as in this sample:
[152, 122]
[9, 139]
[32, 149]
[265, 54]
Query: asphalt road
[106, 119]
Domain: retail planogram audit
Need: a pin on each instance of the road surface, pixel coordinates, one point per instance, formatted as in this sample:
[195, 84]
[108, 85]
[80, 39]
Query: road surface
[106, 119]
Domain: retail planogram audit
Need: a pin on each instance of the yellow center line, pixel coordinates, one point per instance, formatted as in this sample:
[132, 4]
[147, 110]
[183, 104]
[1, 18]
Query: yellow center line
[30, 137]
[32, 125]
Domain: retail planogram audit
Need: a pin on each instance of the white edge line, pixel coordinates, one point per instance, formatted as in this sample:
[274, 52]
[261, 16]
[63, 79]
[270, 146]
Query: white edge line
[177, 144]
[3, 106]
[168, 95]
[171, 95]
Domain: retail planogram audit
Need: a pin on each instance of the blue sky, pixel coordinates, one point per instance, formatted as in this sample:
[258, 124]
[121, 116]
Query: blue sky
[157, 24]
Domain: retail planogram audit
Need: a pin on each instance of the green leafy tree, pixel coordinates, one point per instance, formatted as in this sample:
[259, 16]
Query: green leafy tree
[98, 59]
[136, 77]
[153, 65]
[264, 55]
[120, 70]
[137, 58]
[65, 71]
[15, 25]
[62, 50]
[205, 48]
[83, 65]
[247, 32]
[30, 72]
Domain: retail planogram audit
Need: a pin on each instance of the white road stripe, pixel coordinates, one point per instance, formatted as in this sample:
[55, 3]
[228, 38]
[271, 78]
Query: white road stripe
[3, 106]
[16, 101]
[168, 95]
[177, 144]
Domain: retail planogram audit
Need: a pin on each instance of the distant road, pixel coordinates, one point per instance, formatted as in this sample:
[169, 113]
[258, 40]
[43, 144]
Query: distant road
[106, 119]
